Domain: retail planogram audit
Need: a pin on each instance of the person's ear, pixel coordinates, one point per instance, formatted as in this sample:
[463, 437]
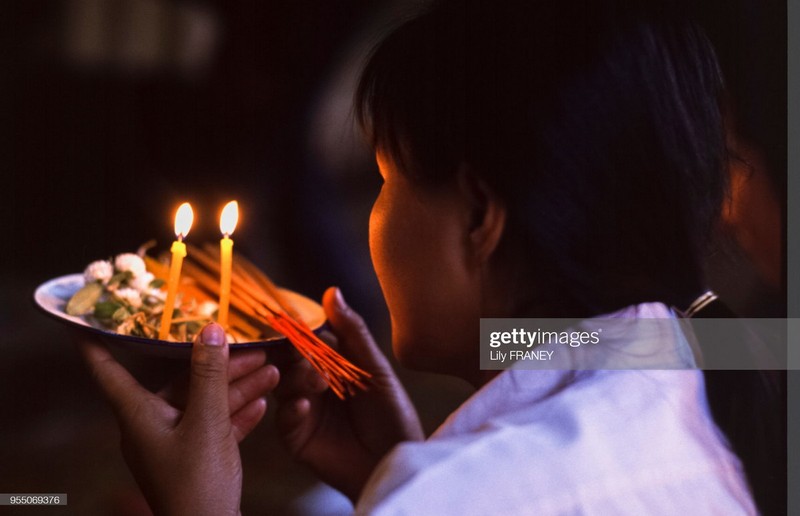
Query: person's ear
[486, 216]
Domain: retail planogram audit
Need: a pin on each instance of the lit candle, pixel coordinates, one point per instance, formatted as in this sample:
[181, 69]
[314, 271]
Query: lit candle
[183, 223]
[227, 223]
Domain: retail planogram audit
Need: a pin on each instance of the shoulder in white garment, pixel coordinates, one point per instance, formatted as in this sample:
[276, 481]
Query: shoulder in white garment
[569, 442]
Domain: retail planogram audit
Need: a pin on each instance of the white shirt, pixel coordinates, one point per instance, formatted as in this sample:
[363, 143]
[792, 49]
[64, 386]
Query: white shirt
[639, 442]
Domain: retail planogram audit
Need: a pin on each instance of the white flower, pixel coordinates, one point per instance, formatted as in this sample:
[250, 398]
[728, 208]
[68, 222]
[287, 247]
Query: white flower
[130, 296]
[130, 262]
[142, 283]
[100, 270]
[155, 295]
[207, 309]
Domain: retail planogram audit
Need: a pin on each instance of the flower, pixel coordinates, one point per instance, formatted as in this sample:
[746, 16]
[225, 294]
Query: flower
[207, 309]
[142, 283]
[154, 295]
[130, 296]
[100, 270]
[130, 262]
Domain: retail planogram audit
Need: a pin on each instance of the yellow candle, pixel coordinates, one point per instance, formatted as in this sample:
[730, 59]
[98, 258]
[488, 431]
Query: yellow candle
[227, 223]
[183, 222]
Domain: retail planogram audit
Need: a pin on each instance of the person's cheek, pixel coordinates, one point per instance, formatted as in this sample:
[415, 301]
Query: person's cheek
[385, 245]
[377, 239]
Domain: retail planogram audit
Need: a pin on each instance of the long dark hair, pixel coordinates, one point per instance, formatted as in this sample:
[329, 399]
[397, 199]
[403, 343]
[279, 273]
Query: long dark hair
[596, 122]
[599, 124]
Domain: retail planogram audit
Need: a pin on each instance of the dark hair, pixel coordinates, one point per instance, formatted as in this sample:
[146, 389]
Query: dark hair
[749, 37]
[596, 122]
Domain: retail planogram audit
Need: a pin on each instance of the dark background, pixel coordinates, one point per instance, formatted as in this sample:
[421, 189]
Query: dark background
[114, 112]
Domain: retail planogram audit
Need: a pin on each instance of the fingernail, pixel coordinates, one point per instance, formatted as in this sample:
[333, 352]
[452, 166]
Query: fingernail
[340, 302]
[212, 335]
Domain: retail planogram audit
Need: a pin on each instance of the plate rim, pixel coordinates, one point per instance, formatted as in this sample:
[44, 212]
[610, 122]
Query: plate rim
[157, 343]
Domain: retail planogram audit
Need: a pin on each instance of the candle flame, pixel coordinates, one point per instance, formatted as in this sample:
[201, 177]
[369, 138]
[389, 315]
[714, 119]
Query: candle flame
[183, 220]
[229, 218]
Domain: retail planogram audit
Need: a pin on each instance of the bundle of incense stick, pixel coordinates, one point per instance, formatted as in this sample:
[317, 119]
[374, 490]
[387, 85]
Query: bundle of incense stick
[260, 304]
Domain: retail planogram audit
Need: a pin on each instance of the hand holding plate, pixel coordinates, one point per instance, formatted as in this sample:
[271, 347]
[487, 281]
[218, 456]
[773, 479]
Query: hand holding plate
[185, 461]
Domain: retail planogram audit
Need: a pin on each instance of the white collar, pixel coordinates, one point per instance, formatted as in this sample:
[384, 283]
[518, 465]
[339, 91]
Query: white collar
[660, 343]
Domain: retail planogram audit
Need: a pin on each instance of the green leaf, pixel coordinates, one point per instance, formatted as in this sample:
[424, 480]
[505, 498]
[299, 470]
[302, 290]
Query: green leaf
[157, 283]
[83, 301]
[119, 278]
[193, 327]
[121, 314]
[104, 310]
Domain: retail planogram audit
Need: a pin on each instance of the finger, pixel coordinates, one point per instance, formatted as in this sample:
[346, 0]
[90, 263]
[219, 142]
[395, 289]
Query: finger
[208, 378]
[355, 339]
[246, 419]
[244, 362]
[329, 338]
[296, 424]
[119, 387]
[299, 379]
[240, 364]
[251, 387]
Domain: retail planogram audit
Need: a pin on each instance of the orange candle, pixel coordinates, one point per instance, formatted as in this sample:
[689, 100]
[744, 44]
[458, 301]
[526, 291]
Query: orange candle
[227, 223]
[183, 223]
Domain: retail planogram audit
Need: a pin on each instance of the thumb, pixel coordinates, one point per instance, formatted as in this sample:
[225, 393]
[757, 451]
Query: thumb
[355, 340]
[208, 382]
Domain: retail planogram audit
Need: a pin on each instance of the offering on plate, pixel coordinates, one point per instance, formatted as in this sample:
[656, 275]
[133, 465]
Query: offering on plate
[125, 295]
[122, 295]
[167, 302]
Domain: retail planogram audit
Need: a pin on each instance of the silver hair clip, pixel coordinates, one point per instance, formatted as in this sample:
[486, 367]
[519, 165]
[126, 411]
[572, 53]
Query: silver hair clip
[698, 304]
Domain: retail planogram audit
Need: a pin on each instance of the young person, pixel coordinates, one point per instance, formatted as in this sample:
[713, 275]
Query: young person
[540, 159]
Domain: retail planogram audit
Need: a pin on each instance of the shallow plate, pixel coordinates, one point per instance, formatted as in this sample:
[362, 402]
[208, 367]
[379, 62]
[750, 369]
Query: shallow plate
[52, 296]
